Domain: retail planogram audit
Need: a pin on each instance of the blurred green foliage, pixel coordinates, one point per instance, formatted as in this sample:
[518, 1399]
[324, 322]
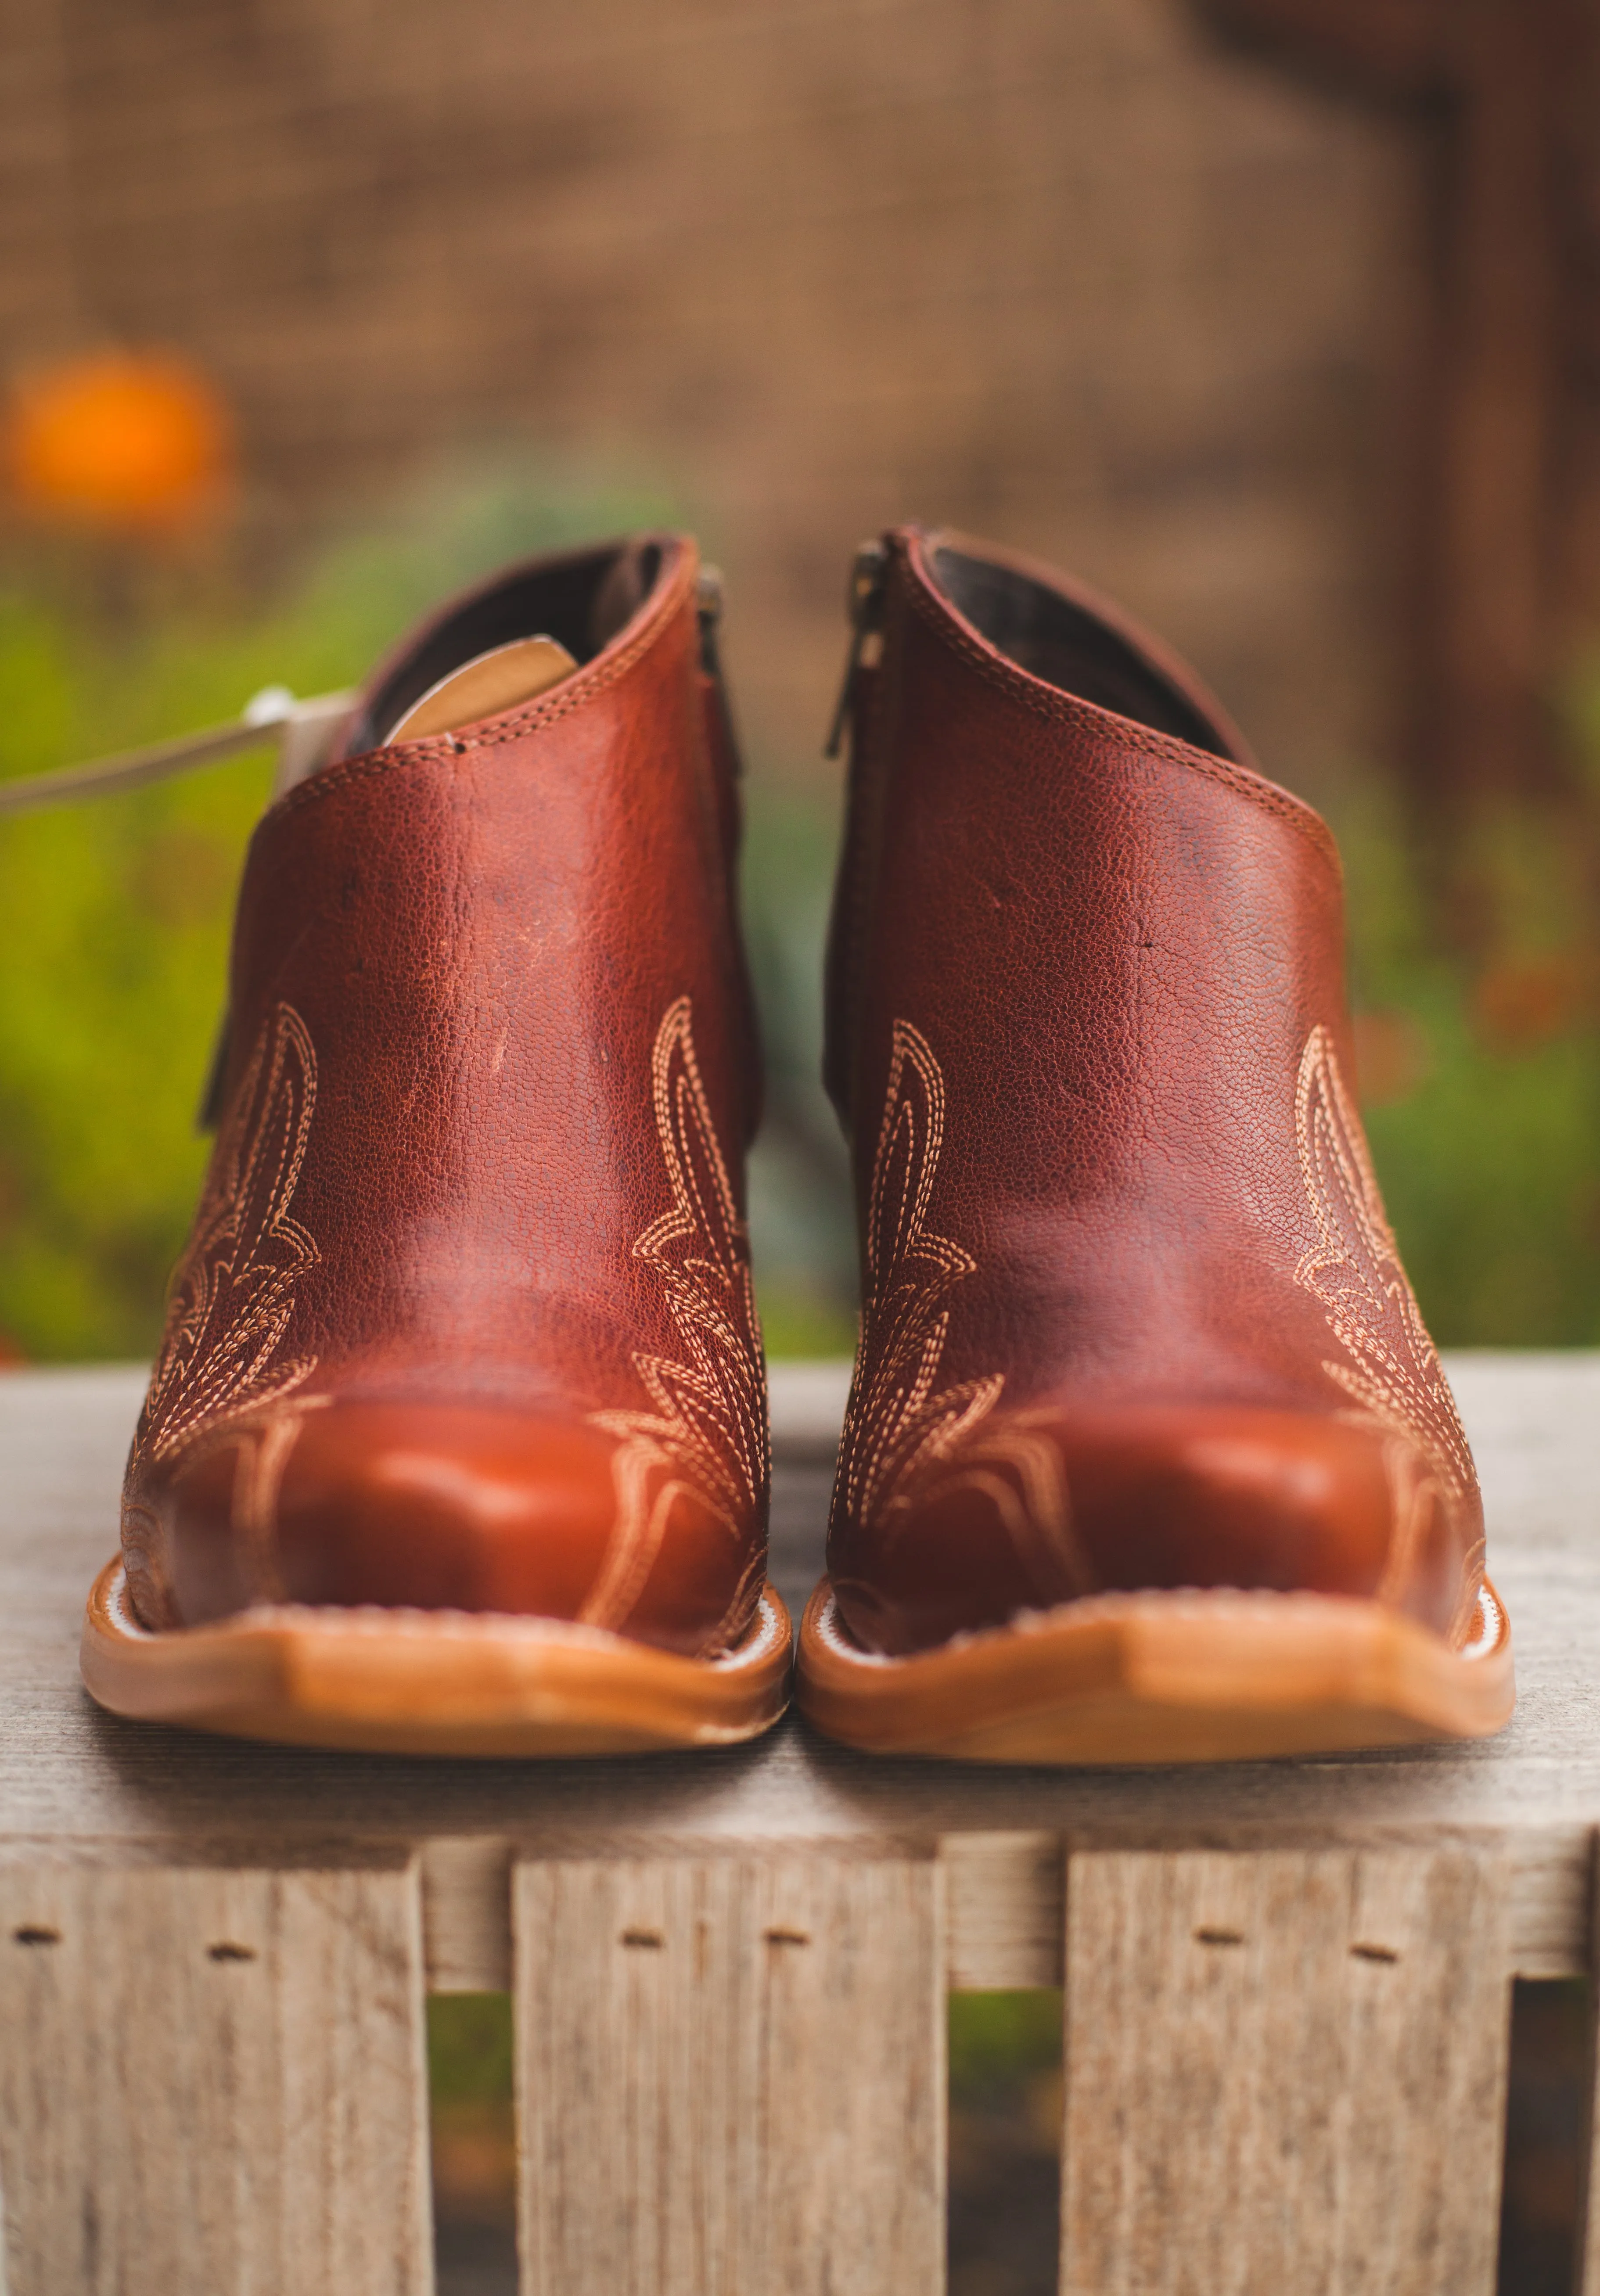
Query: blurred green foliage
[470, 2048]
[802, 1229]
[996, 2039]
[115, 915]
[472, 2131]
[1480, 1075]
[113, 928]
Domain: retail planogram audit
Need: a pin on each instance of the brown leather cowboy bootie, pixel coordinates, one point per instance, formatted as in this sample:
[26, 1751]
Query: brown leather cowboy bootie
[1149, 1457]
[457, 1438]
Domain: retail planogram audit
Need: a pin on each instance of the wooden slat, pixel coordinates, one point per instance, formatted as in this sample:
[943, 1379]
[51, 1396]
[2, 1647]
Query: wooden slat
[1285, 2071]
[731, 2076]
[212, 2083]
[1002, 1910]
[1003, 1922]
[466, 1915]
[1587, 2278]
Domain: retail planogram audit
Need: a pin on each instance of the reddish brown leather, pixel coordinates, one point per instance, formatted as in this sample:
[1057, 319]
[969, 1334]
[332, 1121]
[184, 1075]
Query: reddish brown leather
[1133, 1316]
[465, 1319]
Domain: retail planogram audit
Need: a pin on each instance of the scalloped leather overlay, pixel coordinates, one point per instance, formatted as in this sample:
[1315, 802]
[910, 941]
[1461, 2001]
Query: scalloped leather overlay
[708, 1430]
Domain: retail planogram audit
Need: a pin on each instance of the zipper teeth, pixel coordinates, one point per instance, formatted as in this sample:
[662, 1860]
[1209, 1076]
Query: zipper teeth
[867, 598]
[869, 579]
[707, 615]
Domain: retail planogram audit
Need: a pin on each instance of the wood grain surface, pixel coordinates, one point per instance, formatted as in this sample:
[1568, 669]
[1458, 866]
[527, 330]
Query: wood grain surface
[731, 2076]
[212, 2081]
[1283, 2071]
[1587, 2274]
[82, 1782]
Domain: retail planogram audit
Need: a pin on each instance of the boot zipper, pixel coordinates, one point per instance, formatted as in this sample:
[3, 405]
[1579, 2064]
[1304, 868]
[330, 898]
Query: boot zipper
[708, 610]
[869, 580]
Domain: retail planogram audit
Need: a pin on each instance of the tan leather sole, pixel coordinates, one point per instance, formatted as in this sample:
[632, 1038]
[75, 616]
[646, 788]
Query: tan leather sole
[431, 1682]
[1189, 1676]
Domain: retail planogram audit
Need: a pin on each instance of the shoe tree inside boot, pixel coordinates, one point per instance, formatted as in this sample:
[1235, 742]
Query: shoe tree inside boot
[507, 675]
[503, 678]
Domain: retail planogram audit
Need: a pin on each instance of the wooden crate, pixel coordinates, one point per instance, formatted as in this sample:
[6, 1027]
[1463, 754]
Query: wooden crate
[1287, 1985]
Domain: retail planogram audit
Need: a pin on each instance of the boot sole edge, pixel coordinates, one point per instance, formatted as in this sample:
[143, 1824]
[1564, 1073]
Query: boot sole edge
[427, 1682]
[1157, 1677]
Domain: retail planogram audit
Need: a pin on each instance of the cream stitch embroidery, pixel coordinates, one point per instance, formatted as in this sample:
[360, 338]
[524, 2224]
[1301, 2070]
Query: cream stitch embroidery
[233, 1293]
[708, 1427]
[896, 1425]
[1394, 1375]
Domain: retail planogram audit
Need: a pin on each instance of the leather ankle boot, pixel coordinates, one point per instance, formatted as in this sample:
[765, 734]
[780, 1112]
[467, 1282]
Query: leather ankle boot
[457, 1439]
[1149, 1457]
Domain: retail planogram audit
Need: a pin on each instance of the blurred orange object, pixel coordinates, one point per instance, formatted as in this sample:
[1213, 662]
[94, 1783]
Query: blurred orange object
[1392, 1057]
[119, 439]
[1518, 1006]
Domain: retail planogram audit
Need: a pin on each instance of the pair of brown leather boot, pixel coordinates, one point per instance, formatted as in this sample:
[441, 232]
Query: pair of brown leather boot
[458, 1438]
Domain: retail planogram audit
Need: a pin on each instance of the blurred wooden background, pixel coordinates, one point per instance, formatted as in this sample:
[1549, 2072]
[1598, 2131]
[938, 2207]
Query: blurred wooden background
[1279, 319]
[1069, 271]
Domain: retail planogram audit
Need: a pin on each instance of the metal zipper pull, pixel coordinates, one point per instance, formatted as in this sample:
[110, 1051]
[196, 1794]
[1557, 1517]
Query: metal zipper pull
[869, 579]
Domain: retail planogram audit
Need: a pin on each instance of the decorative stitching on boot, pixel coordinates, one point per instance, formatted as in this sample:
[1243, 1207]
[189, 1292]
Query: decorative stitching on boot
[708, 1429]
[1394, 1377]
[233, 1291]
[896, 1425]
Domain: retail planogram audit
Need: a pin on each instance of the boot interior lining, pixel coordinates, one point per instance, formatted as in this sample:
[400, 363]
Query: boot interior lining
[581, 602]
[1048, 635]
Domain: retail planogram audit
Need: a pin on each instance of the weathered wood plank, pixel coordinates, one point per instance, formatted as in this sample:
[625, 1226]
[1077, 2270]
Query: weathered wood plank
[1587, 2277]
[1284, 2070]
[731, 2076]
[1004, 1910]
[466, 1913]
[212, 2082]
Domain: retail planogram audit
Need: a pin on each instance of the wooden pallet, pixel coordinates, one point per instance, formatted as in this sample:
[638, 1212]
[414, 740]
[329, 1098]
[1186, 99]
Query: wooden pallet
[1286, 1985]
